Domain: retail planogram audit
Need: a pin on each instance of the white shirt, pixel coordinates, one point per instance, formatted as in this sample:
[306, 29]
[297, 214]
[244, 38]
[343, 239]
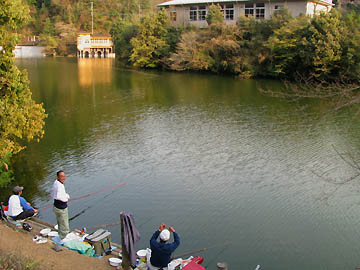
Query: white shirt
[14, 206]
[59, 192]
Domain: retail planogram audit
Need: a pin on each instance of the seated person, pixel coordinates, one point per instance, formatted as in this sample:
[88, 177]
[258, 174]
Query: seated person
[19, 208]
[161, 251]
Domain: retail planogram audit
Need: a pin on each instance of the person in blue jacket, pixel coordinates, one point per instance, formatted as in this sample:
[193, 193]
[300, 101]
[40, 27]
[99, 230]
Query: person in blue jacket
[161, 251]
[19, 208]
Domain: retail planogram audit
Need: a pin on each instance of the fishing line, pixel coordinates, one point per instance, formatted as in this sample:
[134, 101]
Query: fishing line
[201, 250]
[91, 206]
[87, 195]
[221, 251]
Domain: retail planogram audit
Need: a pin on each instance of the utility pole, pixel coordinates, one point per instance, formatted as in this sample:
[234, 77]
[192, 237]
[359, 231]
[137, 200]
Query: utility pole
[92, 18]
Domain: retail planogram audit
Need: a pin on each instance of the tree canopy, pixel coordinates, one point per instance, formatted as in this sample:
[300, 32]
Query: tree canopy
[21, 118]
[149, 45]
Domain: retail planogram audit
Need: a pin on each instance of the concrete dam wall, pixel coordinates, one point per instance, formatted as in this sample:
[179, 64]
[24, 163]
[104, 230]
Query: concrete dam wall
[29, 51]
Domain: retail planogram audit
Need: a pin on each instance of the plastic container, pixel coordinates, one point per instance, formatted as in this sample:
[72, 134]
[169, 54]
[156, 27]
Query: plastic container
[141, 253]
[115, 261]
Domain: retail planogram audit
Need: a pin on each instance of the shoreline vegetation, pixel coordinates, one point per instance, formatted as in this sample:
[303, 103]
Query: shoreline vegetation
[321, 48]
[316, 57]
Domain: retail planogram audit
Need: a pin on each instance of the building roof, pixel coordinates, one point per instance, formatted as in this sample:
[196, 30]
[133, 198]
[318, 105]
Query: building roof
[190, 2]
[196, 2]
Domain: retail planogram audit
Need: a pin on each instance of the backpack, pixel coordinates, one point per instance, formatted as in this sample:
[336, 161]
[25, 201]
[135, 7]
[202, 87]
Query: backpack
[2, 212]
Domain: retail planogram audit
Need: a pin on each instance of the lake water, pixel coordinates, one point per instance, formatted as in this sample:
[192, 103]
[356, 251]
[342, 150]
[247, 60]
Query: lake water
[248, 175]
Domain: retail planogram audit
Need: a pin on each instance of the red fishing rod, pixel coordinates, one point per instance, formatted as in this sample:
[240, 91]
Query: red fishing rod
[87, 195]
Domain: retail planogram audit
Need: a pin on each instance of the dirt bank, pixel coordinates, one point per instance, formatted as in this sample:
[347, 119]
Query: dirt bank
[18, 241]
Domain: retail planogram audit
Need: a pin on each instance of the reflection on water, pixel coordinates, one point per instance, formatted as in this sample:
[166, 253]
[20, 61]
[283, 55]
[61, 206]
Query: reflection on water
[206, 154]
[94, 70]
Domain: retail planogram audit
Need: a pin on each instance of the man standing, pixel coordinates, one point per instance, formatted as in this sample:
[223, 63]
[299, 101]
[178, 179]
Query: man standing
[161, 251]
[61, 199]
[19, 208]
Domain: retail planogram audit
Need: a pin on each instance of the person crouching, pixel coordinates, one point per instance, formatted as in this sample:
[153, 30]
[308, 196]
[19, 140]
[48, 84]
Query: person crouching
[161, 251]
[19, 208]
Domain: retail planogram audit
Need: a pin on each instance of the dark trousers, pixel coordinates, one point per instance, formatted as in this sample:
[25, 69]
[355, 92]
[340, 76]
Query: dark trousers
[24, 214]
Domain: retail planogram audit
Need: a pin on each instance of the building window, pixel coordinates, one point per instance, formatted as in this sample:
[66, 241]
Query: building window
[229, 12]
[193, 13]
[202, 13]
[173, 16]
[260, 11]
[249, 10]
[278, 8]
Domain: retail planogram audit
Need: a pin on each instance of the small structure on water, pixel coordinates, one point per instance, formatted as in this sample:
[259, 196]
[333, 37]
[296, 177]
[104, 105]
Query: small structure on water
[95, 46]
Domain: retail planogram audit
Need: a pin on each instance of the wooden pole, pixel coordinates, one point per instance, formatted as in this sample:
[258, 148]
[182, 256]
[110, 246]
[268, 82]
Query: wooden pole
[125, 255]
[92, 18]
[221, 266]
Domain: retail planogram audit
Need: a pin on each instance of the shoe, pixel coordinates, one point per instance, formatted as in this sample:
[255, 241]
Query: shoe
[41, 241]
[36, 238]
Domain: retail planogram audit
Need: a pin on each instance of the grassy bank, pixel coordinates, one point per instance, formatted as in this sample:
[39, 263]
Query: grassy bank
[12, 261]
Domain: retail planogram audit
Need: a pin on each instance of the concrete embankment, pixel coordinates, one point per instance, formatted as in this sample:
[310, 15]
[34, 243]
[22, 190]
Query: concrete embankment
[29, 51]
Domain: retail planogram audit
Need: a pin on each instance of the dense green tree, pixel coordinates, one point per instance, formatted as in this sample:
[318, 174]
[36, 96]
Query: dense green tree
[289, 48]
[150, 45]
[319, 47]
[48, 28]
[350, 61]
[122, 32]
[21, 118]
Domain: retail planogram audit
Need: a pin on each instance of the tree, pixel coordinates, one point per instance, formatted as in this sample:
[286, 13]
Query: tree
[325, 48]
[122, 32]
[215, 15]
[150, 45]
[131, 7]
[21, 118]
[189, 54]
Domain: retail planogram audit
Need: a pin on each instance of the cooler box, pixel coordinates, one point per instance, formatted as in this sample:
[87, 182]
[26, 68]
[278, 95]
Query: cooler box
[100, 240]
[194, 264]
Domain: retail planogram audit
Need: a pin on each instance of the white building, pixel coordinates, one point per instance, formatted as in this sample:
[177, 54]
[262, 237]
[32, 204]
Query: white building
[95, 46]
[194, 12]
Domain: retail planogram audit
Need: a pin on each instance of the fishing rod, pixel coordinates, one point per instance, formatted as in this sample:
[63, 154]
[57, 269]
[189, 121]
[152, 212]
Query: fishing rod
[108, 225]
[89, 207]
[87, 195]
[215, 258]
[103, 225]
[198, 250]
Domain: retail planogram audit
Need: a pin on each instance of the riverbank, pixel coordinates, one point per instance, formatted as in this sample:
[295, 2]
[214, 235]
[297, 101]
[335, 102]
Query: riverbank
[18, 242]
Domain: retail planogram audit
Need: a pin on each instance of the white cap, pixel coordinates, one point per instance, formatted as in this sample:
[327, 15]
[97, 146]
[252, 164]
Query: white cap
[165, 235]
